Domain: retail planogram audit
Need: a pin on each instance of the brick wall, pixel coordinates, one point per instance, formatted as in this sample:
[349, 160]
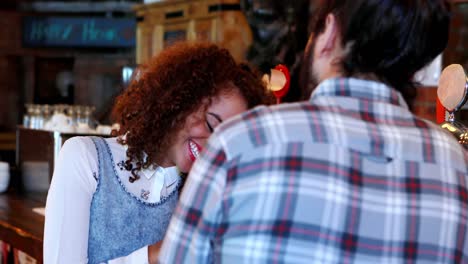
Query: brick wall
[10, 96]
[9, 41]
[457, 48]
[425, 105]
[10, 35]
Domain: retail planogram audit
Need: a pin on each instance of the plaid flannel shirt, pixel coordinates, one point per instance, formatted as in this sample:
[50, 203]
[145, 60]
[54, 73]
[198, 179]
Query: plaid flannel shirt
[351, 176]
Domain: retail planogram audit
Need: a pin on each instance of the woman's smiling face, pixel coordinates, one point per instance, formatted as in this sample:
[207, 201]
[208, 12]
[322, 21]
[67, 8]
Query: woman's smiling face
[199, 125]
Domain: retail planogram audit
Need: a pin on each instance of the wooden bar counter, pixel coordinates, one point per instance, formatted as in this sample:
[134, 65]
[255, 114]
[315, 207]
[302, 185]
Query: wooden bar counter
[20, 226]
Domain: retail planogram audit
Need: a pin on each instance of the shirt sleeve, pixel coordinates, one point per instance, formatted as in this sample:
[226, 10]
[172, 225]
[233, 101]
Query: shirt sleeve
[68, 203]
[198, 213]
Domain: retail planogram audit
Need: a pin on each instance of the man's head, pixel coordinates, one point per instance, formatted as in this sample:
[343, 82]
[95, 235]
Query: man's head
[385, 40]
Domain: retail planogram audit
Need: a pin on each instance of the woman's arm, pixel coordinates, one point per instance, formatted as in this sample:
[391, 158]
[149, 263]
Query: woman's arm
[153, 252]
[68, 203]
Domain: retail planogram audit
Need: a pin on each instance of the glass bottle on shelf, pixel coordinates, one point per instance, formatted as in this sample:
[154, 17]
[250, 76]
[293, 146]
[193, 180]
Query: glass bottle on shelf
[71, 113]
[28, 115]
[82, 119]
[46, 113]
[92, 122]
[33, 117]
[59, 109]
[37, 118]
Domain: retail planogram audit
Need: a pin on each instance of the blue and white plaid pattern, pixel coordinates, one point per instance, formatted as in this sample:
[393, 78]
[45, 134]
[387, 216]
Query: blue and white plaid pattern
[349, 177]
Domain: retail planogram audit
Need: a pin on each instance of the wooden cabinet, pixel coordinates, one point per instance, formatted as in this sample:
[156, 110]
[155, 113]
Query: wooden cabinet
[219, 21]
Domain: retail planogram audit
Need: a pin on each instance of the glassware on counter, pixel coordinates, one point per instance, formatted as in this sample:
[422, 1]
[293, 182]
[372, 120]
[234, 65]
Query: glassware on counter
[37, 120]
[46, 113]
[27, 116]
[62, 118]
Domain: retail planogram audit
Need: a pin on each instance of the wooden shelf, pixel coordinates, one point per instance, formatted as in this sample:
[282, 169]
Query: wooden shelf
[8, 141]
[219, 21]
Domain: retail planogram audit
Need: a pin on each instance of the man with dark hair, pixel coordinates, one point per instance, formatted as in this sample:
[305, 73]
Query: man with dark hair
[350, 176]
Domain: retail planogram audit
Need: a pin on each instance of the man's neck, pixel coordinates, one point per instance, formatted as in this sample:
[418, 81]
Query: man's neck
[367, 76]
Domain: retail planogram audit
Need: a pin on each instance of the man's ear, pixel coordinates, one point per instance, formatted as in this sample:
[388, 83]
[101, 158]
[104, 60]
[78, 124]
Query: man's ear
[329, 36]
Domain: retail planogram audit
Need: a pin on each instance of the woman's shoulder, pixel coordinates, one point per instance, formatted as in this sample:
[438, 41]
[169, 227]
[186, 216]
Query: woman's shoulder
[116, 148]
[86, 143]
[82, 147]
[77, 162]
[77, 149]
[77, 143]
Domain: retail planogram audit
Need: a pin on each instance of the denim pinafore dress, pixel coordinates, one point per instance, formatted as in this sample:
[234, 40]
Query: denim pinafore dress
[120, 222]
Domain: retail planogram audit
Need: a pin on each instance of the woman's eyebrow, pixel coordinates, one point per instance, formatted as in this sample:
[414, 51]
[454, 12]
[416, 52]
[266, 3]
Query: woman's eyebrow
[216, 116]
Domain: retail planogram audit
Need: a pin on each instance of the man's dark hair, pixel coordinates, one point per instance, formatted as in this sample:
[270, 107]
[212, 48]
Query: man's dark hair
[392, 39]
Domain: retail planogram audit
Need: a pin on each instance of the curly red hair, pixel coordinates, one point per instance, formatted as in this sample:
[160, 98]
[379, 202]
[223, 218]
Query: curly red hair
[172, 85]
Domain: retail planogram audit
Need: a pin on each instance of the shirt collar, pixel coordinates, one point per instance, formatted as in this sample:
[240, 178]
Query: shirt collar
[149, 172]
[169, 174]
[359, 88]
[172, 175]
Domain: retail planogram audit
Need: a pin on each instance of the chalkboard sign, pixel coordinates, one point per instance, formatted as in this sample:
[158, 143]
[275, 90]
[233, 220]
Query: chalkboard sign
[79, 32]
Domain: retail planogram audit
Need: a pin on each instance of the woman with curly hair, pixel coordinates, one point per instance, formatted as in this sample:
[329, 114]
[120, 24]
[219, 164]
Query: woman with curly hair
[111, 199]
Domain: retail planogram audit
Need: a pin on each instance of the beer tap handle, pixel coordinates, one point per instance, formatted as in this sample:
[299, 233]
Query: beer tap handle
[452, 94]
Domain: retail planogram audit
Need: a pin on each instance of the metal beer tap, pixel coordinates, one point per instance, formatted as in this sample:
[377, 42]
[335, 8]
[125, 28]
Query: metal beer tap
[453, 94]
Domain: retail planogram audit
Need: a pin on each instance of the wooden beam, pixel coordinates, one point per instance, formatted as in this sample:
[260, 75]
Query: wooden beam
[77, 7]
